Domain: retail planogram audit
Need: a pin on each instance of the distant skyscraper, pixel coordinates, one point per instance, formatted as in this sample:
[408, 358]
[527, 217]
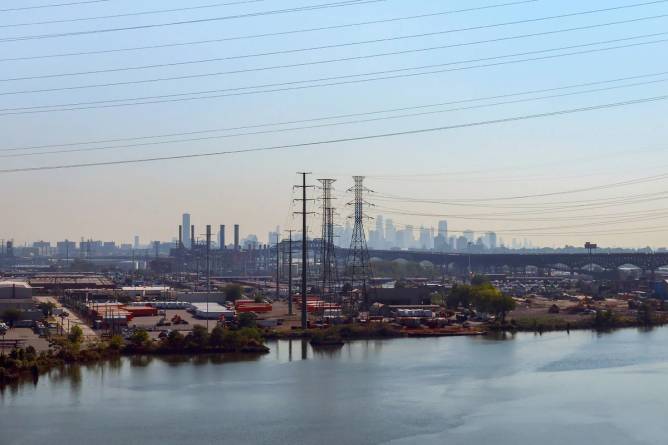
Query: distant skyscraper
[273, 236]
[236, 237]
[441, 239]
[136, 243]
[443, 228]
[409, 240]
[380, 232]
[187, 242]
[462, 243]
[390, 234]
[490, 240]
[425, 238]
[469, 235]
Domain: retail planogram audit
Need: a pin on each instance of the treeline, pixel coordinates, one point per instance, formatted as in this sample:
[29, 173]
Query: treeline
[26, 362]
[242, 339]
[482, 296]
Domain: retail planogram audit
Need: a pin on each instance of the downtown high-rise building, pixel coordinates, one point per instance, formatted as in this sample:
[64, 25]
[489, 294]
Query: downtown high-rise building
[390, 234]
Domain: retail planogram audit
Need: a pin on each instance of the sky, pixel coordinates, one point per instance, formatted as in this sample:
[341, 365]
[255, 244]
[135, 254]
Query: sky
[559, 179]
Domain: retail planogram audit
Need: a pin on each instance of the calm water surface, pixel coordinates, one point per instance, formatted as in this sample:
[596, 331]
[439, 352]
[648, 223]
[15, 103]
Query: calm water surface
[558, 388]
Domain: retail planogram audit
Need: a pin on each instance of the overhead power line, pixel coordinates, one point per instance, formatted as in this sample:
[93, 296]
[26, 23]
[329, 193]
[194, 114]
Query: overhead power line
[317, 62]
[343, 116]
[340, 140]
[272, 34]
[308, 127]
[130, 14]
[53, 5]
[608, 186]
[178, 97]
[193, 21]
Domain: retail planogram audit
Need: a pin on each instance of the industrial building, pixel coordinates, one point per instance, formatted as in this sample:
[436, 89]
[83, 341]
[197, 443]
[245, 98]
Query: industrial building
[16, 295]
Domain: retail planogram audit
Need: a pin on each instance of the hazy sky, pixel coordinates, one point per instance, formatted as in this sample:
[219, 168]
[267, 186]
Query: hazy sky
[460, 168]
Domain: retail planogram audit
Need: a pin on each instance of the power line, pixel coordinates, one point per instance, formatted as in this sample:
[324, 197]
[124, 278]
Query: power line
[342, 140]
[193, 21]
[273, 34]
[348, 115]
[239, 90]
[130, 14]
[358, 121]
[317, 62]
[53, 5]
[542, 195]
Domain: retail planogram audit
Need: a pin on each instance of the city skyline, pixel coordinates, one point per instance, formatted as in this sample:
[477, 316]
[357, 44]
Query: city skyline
[607, 160]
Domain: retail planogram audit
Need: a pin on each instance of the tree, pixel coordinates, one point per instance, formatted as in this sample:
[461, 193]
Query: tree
[76, 334]
[233, 292]
[479, 280]
[645, 313]
[139, 337]
[116, 342]
[199, 338]
[174, 340]
[259, 299]
[46, 307]
[11, 316]
[217, 337]
[246, 320]
[460, 295]
[436, 298]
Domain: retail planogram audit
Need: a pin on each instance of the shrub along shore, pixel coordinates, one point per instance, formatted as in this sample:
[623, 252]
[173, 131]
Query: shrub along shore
[25, 363]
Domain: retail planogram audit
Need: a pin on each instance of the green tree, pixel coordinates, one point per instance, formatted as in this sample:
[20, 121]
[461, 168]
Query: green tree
[233, 292]
[199, 338]
[436, 298]
[46, 307]
[76, 334]
[217, 337]
[116, 342]
[479, 280]
[140, 337]
[246, 320]
[460, 295]
[11, 316]
[174, 340]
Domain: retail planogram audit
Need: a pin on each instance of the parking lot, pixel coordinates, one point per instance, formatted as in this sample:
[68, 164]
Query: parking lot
[28, 338]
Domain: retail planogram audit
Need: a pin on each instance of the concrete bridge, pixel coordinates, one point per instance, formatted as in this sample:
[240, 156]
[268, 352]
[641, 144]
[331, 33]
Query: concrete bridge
[496, 261]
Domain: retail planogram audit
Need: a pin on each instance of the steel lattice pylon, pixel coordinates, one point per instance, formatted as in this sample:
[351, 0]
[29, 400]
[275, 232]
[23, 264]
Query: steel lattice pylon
[329, 275]
[358, 255]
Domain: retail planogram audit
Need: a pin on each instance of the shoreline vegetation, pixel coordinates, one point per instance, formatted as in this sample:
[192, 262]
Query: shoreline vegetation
[27, 364]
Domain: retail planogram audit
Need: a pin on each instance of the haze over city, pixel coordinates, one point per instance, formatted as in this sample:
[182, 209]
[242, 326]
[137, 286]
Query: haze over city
[359, 222]
[458, 167]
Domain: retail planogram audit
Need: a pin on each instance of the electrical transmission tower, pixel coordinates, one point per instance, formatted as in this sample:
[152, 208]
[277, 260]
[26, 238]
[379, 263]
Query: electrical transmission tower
[358, 255]
[329, 275]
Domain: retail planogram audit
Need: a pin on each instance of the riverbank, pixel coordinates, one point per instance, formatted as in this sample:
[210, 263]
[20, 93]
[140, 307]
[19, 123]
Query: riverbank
[604, 320]
[26, 363]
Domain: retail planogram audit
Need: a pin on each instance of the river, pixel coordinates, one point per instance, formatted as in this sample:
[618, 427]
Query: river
[556, 388]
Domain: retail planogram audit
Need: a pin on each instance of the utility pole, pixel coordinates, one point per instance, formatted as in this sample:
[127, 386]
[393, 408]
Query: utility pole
[328, 264]
[278, 243]
[358, 255]
[290, 273]
[208, 273]
[304, 246]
